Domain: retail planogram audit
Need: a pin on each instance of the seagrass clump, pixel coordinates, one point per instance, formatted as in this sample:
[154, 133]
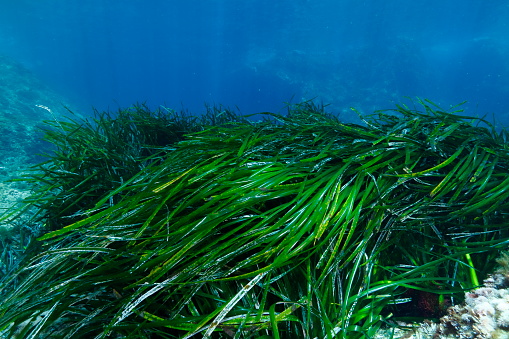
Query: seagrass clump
[296, 226]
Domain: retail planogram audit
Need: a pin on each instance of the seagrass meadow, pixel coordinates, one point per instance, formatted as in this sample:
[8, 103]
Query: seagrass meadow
[157, 224]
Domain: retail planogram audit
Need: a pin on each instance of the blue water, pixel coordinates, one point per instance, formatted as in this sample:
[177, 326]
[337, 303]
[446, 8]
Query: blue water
[258, 54]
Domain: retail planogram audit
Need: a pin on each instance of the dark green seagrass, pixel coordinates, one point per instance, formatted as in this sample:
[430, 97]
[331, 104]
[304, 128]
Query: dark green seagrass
[298, 226]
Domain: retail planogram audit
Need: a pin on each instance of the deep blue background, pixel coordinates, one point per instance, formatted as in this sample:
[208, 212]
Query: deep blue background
[258, 54]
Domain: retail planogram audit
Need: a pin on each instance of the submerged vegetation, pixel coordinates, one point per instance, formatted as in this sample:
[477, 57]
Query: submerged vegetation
[160, 225]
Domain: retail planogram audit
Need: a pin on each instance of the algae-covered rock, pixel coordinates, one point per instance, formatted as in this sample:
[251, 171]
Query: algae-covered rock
[483, 314]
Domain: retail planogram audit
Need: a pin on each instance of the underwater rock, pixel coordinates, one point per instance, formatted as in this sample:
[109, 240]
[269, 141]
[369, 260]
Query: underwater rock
[484, 314]
[25, 102]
